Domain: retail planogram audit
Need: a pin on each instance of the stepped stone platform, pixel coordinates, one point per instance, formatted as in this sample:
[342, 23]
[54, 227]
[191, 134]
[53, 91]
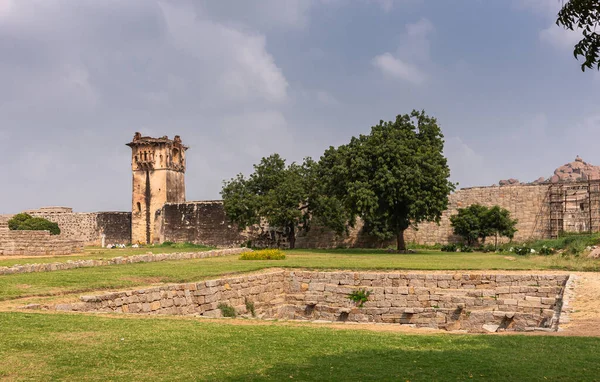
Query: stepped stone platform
[32, 243]
[472, 302]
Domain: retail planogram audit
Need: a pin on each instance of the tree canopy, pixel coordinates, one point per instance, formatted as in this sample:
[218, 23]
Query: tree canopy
[395, 177]
[23, 221]
[274, 192]
[479, 222]
[583, 15]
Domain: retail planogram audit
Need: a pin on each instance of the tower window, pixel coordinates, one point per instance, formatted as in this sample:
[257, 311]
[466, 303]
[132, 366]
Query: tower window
[139, 207]
[581, 206]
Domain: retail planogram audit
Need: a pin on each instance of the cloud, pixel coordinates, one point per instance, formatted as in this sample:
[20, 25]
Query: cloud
[559, 37]
[396, 68]
[412, 56]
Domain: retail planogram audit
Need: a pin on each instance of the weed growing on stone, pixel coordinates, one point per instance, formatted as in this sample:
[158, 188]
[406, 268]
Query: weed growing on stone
[250, 307]
[359, 296]
[226, 310]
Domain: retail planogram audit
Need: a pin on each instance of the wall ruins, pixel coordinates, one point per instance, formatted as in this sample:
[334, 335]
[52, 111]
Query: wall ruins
[473, 302]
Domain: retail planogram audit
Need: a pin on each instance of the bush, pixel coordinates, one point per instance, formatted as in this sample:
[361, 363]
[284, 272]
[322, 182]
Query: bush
[545, 250]
[263, 254]
[465, 248]
[488, 248]
[26, 222]
[250, 306]
[226, 310]
[576, 247]
[449, 248]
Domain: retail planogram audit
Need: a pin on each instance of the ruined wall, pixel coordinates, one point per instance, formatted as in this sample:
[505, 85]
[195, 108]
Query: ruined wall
[453, 301]
[33, 243]
[89, 226]
[197, 222]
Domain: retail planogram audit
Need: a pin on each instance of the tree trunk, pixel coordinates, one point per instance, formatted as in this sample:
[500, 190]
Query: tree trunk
[496, 242]
[400, 240]
[292, 237]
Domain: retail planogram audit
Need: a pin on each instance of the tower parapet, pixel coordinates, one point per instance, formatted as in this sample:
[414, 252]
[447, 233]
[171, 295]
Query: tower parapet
[158, 167]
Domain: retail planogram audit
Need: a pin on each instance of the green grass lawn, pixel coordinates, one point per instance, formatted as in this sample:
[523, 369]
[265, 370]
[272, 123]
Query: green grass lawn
[91, 348]
[132, 275]
[96, 253]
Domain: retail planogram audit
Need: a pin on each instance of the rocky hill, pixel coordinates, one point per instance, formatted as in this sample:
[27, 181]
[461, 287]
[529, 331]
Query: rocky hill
[577, 170]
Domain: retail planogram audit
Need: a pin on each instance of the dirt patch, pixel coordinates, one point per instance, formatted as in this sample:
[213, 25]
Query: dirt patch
[78, 337]
[585, 306]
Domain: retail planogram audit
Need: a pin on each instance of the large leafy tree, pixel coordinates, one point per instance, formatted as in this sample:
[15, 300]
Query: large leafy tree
[274, 192]
[395, 177]
[583, 15]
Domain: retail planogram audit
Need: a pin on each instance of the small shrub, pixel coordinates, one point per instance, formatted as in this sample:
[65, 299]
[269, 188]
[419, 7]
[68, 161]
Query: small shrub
[263, 254]
[359, 296]
[488, 248]
[522, 250]
[250, 307]
[576, 247]
[546, 250]
[465, 248]
[226, 310]
[449, 248]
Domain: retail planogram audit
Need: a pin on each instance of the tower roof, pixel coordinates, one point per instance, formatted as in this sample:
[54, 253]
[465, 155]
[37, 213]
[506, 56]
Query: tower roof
[138, 139]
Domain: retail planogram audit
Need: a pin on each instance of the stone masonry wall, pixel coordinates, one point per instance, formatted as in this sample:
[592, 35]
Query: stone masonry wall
[33, 243]
[198, 222]
[206, 222]
[467, 301]
[89, 226]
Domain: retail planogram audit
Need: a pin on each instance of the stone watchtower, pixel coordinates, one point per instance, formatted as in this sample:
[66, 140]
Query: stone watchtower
[158, 166]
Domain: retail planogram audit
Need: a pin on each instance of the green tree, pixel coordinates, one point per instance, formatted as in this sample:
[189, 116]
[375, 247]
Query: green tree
[274, 192]
[479, 222]
[583, 15]
[469, 223]
[395, 177]
[497, 222]
[24, 221]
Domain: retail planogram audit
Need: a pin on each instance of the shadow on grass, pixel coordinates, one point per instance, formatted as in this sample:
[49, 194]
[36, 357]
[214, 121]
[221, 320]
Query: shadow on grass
[499, 361]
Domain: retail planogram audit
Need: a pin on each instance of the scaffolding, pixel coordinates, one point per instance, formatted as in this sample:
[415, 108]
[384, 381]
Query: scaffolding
[574, 207]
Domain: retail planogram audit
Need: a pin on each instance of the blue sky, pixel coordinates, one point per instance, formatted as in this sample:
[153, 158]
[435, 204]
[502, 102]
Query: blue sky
[239, 80]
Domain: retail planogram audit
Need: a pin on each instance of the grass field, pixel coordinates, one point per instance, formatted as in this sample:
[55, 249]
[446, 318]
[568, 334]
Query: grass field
[132, 275]
[80, 347]
[52, 346]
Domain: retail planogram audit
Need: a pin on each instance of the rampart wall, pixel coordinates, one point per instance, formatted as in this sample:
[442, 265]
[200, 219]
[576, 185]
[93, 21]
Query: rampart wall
[206, 222]
[467, 301]
[90, 226]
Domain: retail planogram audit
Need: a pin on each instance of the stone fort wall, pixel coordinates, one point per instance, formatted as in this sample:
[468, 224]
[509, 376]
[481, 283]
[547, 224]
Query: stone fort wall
[33, 243]
[89, 226]
[206, 223]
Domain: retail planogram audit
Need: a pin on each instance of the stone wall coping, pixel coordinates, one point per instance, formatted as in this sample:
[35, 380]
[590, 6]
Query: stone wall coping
[143, 258]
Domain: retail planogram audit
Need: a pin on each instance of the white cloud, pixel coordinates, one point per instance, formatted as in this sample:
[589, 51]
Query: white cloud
[412, 55]
[559, 37]
[396, 68]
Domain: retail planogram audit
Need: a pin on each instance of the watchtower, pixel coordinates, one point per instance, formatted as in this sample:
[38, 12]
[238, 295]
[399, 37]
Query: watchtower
[158, 166]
